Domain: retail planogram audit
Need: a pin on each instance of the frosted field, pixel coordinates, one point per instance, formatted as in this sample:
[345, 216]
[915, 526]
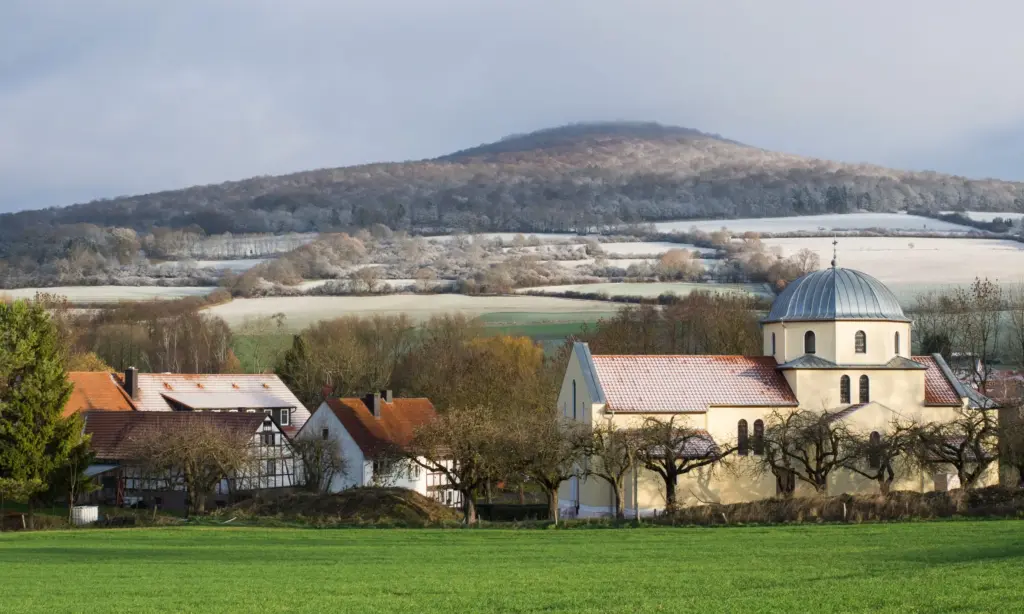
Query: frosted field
[849, 221]
[650, 290]
[929, 261]
[508, 237]
[112, 294]
[652, 248]
[304, 310]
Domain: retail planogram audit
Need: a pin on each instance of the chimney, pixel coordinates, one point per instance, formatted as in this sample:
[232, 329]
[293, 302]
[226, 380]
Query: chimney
[388, 397]
[131, 382]
[372, 402]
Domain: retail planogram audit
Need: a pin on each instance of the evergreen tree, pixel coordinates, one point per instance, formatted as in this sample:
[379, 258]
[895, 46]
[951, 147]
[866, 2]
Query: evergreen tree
[35, 439]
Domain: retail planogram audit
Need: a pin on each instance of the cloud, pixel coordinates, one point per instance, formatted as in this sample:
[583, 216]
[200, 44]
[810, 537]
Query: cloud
[114, 97]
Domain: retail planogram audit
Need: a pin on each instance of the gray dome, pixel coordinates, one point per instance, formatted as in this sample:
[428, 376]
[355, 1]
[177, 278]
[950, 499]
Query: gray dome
[836, 294]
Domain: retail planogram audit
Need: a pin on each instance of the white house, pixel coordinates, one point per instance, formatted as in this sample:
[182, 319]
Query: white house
[371, 432]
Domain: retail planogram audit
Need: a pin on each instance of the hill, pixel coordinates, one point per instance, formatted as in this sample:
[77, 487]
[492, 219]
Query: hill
[573, 177]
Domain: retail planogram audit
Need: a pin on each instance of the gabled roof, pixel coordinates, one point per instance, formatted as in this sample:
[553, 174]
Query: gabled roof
[681, 383]
[113, 433]
[394, 428]
[219, 391]
[940, 386]
[96, 391]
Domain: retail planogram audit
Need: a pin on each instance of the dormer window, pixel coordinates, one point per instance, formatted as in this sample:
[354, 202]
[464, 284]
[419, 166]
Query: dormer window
[860, 342]
[809, 342]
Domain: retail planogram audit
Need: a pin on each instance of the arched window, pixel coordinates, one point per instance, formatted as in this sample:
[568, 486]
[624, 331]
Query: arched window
[759, 437]
[860, 342]
[875, 450]
[844, 389]
[809, 342]
[743, 443]
[573, 399]
[773, 344]
[865, 389]
[897, 343]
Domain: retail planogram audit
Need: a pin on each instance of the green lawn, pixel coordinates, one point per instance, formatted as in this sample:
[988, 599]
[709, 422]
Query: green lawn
[915, 567]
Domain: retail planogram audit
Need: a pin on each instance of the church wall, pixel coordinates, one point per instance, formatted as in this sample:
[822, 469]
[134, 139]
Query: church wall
[818, 389]
[789, 339]
[880, 336]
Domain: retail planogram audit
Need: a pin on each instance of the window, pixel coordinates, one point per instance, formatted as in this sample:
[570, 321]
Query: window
[286, 416]
[865, 389]
[573, 399]
[897, 344]
[809, 342]
[269, 412]
[758, 437]
[271, 466]
[773, 344]
[875, 450]
[415, 471]
[268, 438]
[860, 342]
[844, 389]
[744, 443]
[325, 434]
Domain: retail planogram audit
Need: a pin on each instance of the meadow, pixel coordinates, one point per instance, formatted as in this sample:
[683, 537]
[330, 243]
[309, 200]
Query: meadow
[812, 223]
[913, 567]
[653, 289]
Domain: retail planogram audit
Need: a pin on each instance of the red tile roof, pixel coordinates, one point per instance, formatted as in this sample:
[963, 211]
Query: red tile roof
[938, 390]
[96, 391]
[112, 432]
[395, 427]
[691, 383]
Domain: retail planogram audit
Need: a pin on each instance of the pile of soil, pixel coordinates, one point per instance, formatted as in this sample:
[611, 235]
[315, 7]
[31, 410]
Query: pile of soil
[355, 506]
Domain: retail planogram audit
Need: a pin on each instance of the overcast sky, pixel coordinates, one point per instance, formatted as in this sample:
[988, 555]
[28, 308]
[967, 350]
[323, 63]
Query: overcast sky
[113, 97]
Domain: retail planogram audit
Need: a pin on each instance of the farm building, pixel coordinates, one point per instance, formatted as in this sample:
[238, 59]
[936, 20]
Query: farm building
[834, 340]
[118, 440]
[371, 433]
[96, 391]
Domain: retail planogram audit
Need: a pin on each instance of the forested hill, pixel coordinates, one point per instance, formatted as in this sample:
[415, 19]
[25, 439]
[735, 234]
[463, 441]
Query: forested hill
[576, 176]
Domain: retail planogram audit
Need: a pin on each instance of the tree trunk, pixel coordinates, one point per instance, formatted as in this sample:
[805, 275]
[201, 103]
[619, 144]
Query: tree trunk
[618, 488]
[670, 494]
[488, 492]
[552, 494]
[469, 508]
[31, 514]
[884, 486]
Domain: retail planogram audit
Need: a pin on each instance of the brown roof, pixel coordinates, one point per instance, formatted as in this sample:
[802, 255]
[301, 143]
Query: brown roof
[98, 391]
[684, 383]
[112, 432]
[395, 427]
[938, 390]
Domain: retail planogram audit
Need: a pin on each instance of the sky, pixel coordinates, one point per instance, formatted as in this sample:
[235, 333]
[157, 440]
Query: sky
[113, 97]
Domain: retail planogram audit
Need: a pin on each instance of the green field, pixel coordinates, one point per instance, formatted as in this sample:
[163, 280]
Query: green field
[915, 567]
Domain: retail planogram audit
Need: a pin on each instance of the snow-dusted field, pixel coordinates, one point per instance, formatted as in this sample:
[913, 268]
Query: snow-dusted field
[651, 248]
[112, 294]
[897, 260]
[303, 310]
[849, 221]
[508, 237]
[649, 290]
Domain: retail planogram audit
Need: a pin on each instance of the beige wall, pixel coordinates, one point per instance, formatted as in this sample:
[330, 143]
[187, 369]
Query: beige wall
[835, 341]
[817, 389]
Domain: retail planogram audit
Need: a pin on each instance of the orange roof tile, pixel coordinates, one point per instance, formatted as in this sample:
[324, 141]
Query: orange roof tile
[395, 427]
[684, 383]
[96, 391]
[938, 390]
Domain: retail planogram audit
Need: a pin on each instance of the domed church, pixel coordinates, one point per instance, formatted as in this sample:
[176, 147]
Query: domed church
[835, 340]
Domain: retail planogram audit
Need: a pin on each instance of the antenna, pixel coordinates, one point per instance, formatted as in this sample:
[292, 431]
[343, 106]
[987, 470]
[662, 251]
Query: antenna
[835, 242]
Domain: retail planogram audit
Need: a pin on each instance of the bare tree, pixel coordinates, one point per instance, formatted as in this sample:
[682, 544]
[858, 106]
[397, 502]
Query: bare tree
[552, 452]
[613, 454]
[468, 447]
[804, 445]
[880, 456]
[672, 448]
[321, 460]
[1011, 438]
[1015, 306]
[968, 443]
[366, 277]
[194, 451]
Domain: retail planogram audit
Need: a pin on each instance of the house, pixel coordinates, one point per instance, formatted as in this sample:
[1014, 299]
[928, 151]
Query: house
[115, 440]
[260, 393]
[96, 391]
[835, 340]
[371, 433]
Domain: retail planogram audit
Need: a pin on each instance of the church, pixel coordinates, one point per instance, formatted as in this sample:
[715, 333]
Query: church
[835, 339]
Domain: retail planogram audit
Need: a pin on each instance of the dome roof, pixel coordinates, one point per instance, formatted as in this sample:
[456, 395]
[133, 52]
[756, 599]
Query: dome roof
[836, 294]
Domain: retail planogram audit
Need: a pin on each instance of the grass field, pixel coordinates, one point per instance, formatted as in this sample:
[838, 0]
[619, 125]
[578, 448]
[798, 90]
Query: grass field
[652, 289]
[915, 567]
